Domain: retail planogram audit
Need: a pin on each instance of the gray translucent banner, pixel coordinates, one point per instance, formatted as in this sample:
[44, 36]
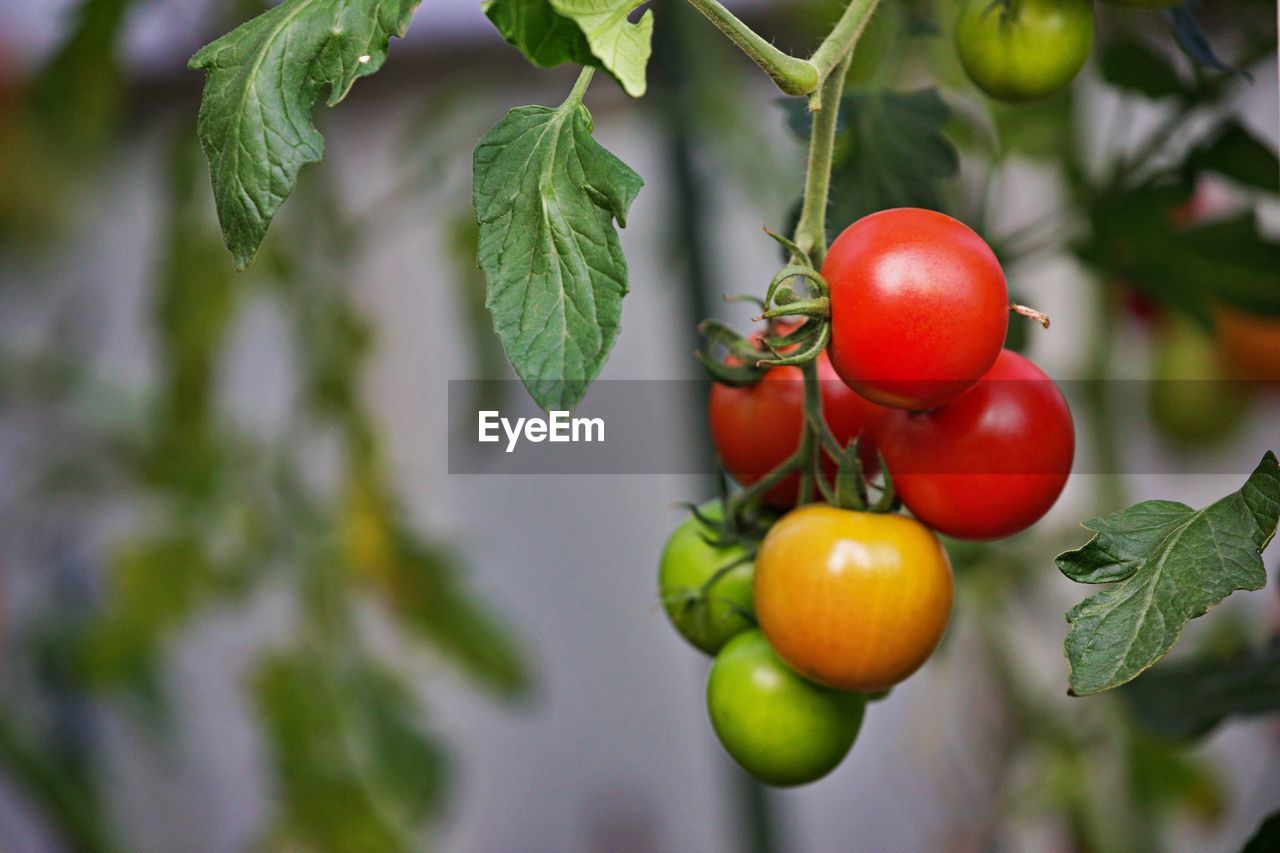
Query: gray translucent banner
[623, 427]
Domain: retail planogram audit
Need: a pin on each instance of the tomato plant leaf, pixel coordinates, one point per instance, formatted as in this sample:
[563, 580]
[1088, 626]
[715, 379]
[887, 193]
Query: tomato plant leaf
[546, 195]
[1187, 699]
[1131, 64]
[1135, 239]
[1267, 838]
[622, 47]
[354, 770]
[536, 29]
[262, 80]
[1239, 155]
[1170, 564]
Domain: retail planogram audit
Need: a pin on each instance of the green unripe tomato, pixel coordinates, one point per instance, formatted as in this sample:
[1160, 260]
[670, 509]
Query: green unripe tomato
[1023, 49]
[1192, 402]
[783, 729]
[707, 609]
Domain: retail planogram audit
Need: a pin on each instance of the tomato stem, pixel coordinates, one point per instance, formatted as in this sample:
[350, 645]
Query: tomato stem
[837, 47]
[1025, 311]
[579, 89]
[794, 76]
[811, 230]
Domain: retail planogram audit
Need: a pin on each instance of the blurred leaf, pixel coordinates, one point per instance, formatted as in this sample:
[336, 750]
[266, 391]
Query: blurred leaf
[263, 78]
[155, 585]
[488, 365]
[1193, 41]
[78, 93]
[890, 151]
[58, 790]
[1164, 775]
[354, 772]
[1135, 239]
[195, 296]
[1239, 155]
[1267, 838]
[546, 195]
[1187, 699]
[1131, 64]
[536, 29]
[421, 586]
[1169, 564]
[1041, 129]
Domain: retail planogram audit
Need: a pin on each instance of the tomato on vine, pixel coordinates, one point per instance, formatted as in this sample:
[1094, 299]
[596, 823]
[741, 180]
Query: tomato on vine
[852, 600]
[1020, 50]
[705, 587]
[919, 307]
[1249, 343]
[781, 728]
[757, 427]
[1192, 402]
[990, 464]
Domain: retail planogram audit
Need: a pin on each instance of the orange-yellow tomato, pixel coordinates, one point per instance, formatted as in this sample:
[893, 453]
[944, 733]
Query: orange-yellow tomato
[1250, 344]
[852, 600]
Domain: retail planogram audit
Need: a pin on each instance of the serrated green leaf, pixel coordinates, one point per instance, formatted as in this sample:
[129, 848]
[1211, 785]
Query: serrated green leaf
[543, 35]
[354, 770]
[622, 47]
[1131, 64]
[1170, 564]
[1187, 699]
[1238, 154]
[263, 78]
[546, 196]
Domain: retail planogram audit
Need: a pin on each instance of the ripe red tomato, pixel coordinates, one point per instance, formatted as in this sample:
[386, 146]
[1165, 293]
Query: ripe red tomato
[756, 427]
[781, 728]
[1025, 50]
[990, 464]
[919, 307]
[852, 600]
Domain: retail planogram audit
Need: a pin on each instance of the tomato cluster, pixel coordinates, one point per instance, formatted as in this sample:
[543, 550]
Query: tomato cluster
[811, 613]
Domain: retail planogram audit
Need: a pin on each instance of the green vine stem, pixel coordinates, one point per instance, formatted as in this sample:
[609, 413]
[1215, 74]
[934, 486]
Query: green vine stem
[795, 76]
[838, 46]
[792, 75]
[811, 230]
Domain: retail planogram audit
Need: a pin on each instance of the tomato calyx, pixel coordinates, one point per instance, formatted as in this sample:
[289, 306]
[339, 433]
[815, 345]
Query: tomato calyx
[852, 488]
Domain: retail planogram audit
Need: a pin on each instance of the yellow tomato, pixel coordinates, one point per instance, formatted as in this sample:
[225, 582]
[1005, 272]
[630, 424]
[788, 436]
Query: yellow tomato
[852, 600]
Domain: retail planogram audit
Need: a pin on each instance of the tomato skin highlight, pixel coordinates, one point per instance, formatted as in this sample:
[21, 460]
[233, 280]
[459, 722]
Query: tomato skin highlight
[919, 307]
[779, 727]
[756, 427]
[990, 464]
[687, 564]
[852, 600]
[1032, 51]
